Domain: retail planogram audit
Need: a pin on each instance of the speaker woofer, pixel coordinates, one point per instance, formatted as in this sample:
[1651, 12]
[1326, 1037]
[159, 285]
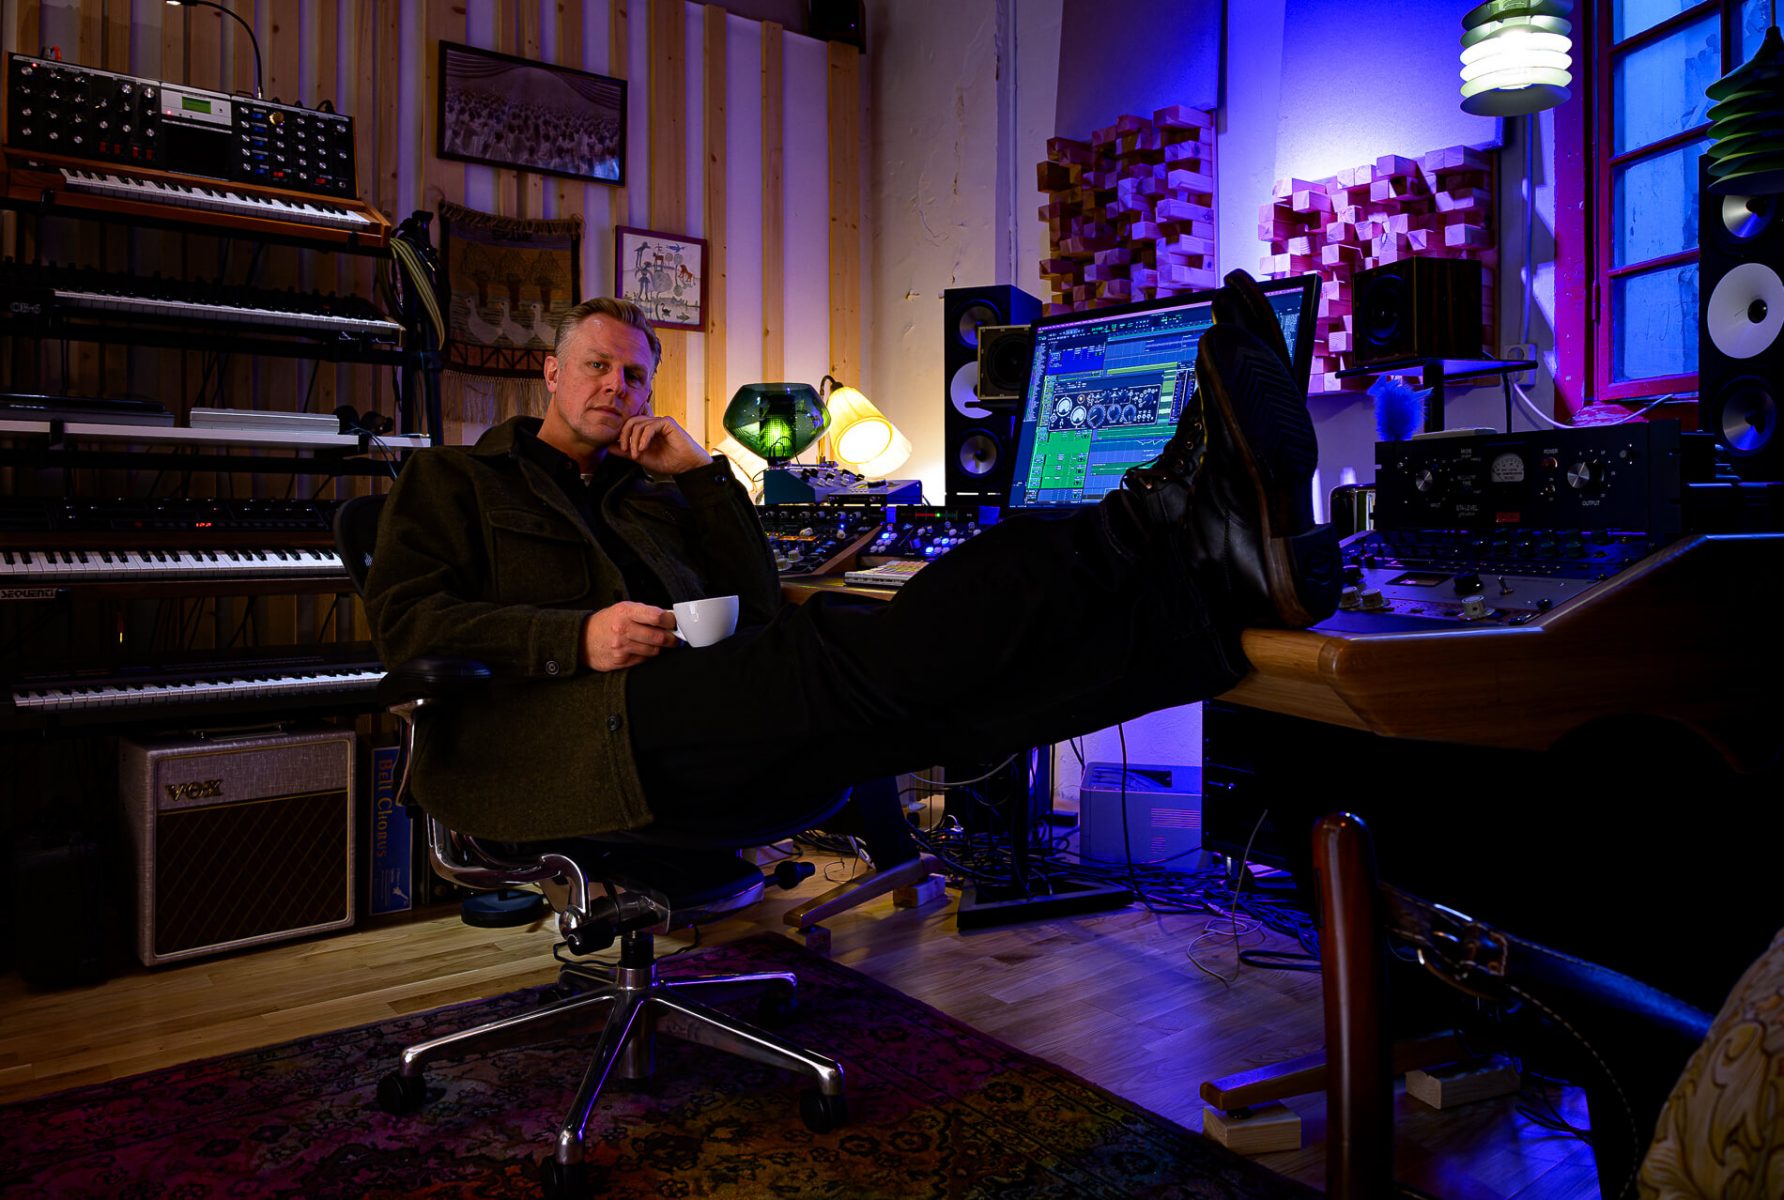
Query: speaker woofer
[1748, 423]
[1006, 356]
[1388, 299]
[963, 392]
[1746, 310]
[978, 313]
[978, 454]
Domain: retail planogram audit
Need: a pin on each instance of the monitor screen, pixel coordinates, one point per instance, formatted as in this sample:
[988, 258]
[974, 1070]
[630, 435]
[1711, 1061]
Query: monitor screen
[1107, 387]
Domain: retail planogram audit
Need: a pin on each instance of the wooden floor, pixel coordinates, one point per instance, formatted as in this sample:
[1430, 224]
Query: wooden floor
[1114, 998]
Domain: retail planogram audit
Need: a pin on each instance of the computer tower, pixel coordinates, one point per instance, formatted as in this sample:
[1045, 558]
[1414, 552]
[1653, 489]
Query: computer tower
[238, 841]
[1163, 823]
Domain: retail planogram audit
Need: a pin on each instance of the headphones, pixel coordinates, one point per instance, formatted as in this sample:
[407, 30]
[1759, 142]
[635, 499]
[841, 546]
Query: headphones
[372, 422]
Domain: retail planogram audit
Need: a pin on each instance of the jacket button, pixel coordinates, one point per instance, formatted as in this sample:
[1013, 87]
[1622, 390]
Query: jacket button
[613, 723]
[551, 667]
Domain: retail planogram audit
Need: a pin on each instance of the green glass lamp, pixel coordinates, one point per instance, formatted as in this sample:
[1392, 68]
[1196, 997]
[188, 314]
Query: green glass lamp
[776, 420]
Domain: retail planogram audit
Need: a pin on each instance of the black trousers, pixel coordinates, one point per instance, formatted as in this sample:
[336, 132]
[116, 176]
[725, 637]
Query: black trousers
[1039, 629]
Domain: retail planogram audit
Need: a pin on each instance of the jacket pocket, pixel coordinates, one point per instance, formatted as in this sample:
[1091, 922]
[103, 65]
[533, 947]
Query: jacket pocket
[537, 560]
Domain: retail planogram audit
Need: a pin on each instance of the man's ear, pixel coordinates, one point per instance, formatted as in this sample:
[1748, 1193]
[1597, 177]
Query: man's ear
[551, 372]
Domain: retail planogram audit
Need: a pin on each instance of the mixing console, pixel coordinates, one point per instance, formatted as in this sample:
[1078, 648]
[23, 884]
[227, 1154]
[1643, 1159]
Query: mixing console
[1497, 529]
[925, 533]
[806, 537]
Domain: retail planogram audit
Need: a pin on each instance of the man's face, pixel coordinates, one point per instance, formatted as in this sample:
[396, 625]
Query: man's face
[602, 381]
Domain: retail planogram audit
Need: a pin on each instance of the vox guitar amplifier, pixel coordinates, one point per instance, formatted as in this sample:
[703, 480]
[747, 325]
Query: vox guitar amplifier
[238, 842]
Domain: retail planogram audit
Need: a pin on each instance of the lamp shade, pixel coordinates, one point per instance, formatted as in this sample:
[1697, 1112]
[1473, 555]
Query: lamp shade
[746, 464]
[1516, 57]
[776, 420]
[1747, 124]
[861, 438]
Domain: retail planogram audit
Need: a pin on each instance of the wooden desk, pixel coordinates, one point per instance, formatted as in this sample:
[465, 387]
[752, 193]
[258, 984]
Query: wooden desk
[1683, 635]
[1686, 635]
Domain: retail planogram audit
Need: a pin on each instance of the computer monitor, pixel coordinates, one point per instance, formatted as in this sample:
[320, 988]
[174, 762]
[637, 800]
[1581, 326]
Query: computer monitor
[1107, 387]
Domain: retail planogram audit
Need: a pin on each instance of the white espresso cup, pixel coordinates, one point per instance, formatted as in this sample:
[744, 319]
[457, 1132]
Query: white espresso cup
[703, 622]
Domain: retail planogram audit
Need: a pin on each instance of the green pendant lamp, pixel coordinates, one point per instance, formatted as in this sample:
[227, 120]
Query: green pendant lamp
[1746, 151]
[776, 420]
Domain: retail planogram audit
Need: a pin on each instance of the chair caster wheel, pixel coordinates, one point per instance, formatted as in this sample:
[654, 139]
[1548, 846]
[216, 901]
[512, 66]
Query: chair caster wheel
[560, 1182]
[822, 1113]
[399, 1094]
[777, 1008]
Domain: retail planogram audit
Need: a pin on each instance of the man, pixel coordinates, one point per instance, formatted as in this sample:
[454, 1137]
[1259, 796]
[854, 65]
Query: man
[547, 552]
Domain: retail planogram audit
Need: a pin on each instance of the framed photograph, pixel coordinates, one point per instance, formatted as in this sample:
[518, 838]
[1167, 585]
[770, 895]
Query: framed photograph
[663, 273]
[514, 112]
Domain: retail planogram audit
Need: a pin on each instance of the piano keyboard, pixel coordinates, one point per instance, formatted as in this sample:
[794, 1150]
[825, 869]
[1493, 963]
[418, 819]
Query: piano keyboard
[216, 198]
[285, 318]
[200, 684]
[51, 290]
[52, 566]
[71, 697]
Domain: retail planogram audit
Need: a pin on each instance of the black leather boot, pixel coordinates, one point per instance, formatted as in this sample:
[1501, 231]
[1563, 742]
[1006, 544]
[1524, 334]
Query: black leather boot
[1237, 492]
[1241, 302]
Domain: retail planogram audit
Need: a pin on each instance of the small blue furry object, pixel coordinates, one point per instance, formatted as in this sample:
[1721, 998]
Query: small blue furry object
[1399, 408]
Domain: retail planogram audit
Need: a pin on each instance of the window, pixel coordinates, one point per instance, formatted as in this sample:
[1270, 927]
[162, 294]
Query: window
[1642, 123]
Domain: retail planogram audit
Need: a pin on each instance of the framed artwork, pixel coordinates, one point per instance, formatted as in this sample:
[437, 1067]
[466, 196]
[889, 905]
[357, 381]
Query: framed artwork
[507, 281]
[514, 112]
[662, 273]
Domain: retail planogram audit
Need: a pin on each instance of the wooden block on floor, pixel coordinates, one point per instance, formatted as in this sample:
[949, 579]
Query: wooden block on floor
[918, 894]
[817, 939]
[1262, 1129]
[1452, 1086]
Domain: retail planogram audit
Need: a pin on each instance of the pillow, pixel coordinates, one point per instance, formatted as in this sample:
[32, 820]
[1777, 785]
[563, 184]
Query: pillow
[1721, 1135]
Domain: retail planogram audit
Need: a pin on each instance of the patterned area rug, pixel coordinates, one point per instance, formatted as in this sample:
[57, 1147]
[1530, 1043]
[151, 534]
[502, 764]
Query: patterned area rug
[935, 1110]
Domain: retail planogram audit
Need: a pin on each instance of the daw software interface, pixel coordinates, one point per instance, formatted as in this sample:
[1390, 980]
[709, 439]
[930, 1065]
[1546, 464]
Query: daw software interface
[1107, 387]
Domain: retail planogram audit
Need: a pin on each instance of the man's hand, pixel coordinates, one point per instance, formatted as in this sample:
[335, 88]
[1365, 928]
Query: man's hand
[626, 634]
[659, 445]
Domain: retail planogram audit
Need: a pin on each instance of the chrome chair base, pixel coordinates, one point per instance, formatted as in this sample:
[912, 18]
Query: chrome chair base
[630, 1005]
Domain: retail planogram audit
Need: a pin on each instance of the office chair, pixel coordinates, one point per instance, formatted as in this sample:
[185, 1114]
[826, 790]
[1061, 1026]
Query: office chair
[1626, 1041]
[649, 881]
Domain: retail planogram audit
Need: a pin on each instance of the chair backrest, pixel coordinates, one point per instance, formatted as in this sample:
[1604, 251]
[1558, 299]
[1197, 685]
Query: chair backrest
[355, 535]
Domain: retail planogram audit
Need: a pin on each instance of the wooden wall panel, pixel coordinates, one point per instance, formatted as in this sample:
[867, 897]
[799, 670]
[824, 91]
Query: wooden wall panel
[774, 262]
[668, 177]
[572, 196]
[715, 130]
[844, 114]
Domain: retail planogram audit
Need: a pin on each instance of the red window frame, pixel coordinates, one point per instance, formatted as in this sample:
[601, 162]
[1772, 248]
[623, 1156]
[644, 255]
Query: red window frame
[1583, 216]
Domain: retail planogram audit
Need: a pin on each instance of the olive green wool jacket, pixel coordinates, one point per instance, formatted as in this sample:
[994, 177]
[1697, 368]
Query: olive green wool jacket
[480, 555]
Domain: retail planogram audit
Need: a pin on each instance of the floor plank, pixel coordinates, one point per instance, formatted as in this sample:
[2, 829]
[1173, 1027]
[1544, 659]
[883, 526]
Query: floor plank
[1112, 997]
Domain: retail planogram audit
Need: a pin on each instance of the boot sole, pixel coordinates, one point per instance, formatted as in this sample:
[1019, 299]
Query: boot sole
[1275, 441]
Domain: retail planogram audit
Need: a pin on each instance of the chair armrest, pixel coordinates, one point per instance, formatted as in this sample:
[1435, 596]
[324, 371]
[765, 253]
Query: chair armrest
[432, 677]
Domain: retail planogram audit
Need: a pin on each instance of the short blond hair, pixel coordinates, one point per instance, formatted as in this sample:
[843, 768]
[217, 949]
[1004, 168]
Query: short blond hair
[623, 311]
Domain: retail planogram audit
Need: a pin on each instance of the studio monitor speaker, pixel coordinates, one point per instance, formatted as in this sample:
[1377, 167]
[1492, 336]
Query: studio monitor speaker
[979, 431]
[1740, 320]
[1417, 308]
[238, 841]
[1006, 354]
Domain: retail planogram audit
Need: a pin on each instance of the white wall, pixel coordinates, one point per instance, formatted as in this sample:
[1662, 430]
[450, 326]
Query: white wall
[945, 129]
[931, 200]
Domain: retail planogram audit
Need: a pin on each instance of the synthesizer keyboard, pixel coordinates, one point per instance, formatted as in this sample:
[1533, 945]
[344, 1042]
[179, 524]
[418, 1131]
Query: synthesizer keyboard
[69, 566]
[216, 198]
[81, 292]
[280, 678]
